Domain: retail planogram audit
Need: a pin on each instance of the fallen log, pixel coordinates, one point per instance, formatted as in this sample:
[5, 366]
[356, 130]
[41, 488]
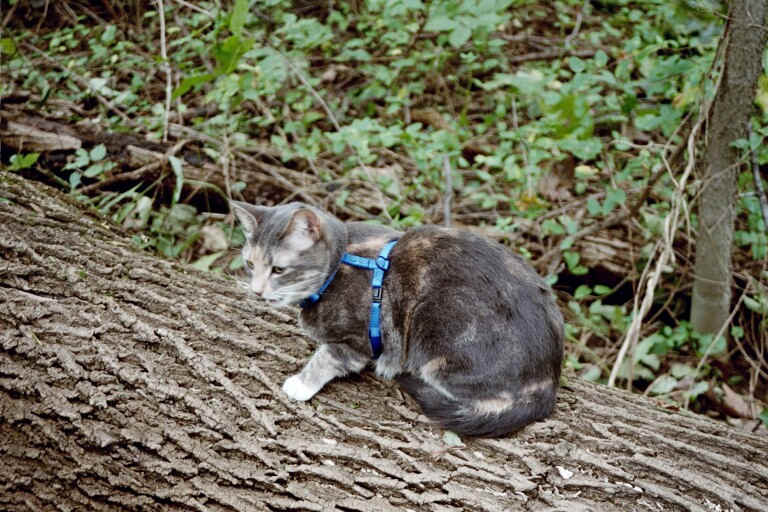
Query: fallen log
[132, 383]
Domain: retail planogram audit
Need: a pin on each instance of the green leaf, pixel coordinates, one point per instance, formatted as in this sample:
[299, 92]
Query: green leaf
[94, 170]
[663, 385]
[7, 46]
[582, 291]
[764, 416]
[758, 306]
[584, 149]
[613, 197]
[190, 82]
[642, 352]
[571, 225]
[571, 259]
[228, 53]
[601, 59]
[178, 170]
[680, 370]
[552, 227]
[204, 263]
[237, 263]
[237, 21]
[22, 161]
[592, 374]
[74, 180]
[440, 23]
[601, 289]
[594, 207]
[108, 36]
[459, 35]
[576, 64]
[452, 439]
[718, 346]
[697, 389]
[98, 153]
[81, 160]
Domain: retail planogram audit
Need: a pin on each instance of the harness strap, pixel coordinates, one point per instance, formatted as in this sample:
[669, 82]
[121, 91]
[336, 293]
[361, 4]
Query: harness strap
[316, 296]
[380, 265]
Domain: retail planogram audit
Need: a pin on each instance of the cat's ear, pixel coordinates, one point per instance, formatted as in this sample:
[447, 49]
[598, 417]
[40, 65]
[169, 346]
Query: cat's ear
[248, 215]
[304, 230]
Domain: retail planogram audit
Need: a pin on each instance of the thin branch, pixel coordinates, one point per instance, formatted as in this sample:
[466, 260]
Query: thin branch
[117, 178]
[557, 53]
[666, 254]
[42, 18]
[8, 15]
[576, 28]
[758, 181]
[448, 195]
[273, 171]
[138, 173]
[190, 5]
[167, 66]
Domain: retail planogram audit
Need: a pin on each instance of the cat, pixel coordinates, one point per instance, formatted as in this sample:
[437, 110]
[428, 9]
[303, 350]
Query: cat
[468, 328]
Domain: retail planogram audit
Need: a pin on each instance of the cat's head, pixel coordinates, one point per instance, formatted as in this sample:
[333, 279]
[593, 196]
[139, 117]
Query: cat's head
[289, 250]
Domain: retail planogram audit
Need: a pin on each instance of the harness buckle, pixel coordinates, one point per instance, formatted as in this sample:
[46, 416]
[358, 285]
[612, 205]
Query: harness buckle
[382, 262]
[377, 294]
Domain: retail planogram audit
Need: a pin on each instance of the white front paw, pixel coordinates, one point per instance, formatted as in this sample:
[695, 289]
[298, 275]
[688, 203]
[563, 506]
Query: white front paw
[296, 389]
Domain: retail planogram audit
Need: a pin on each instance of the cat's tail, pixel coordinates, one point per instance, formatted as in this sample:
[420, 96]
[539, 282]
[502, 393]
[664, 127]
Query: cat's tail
[477, 417]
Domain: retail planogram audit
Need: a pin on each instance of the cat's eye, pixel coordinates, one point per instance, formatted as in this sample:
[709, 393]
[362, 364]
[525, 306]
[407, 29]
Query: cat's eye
[278, 270]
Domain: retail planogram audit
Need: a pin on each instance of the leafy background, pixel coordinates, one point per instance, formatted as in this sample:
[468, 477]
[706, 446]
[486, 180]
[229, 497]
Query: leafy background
[558, 128]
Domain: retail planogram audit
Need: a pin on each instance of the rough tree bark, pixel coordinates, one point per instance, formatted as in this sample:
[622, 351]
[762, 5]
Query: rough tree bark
[131, 383]
[747, 36]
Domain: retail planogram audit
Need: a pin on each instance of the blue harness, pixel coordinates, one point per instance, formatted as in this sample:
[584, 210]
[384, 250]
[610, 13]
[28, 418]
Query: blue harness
[380, 265]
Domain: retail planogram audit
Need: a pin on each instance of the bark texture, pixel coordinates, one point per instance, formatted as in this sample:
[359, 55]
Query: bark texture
[731, 110]
[132, 383]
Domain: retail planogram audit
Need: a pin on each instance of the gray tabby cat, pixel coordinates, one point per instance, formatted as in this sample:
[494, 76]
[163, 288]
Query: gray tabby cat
[468, 328]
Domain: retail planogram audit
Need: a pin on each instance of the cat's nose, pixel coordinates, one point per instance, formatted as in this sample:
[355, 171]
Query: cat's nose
[257, 288]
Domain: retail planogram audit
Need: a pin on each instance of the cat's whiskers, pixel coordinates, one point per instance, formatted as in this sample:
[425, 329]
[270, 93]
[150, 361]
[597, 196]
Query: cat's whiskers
[295, 292]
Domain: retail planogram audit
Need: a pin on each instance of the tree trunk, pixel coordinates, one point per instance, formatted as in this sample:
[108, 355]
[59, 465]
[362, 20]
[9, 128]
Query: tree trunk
[131, 383]
[731, 110]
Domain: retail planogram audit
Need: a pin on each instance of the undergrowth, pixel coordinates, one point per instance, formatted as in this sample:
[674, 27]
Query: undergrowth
[553, 127]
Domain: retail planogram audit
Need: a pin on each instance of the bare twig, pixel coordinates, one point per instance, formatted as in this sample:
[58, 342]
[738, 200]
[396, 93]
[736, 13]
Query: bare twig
[42, 18]
[670, 225]
[167, 66]
[516, 125]
[125, 176]
[556, 53]
[226, 157]
[138, 173]
[666, 254]
[273, 171]
[576, 28]
[8, 15]
[758, 182]
[190, 5]
[448, 195]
